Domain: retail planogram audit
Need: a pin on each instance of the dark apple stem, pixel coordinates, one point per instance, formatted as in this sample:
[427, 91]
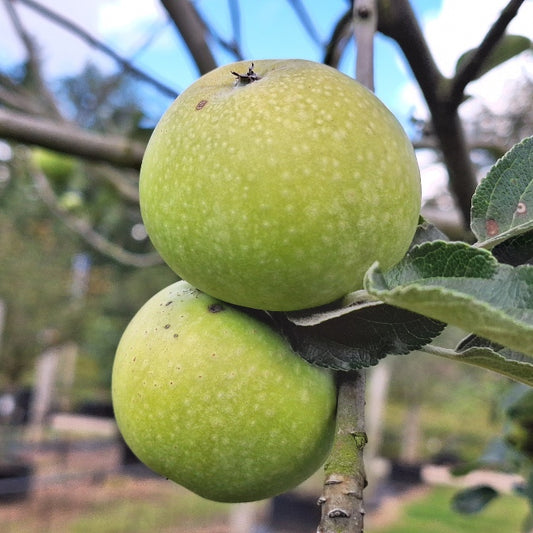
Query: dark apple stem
[345, 479]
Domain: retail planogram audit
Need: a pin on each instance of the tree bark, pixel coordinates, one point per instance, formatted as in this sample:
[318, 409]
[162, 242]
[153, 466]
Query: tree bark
[70, 139]
[342, 497]
[443, 95]
[193, 32]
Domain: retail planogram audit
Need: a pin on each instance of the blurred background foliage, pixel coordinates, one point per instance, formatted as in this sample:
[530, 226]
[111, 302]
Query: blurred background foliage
[46, 298]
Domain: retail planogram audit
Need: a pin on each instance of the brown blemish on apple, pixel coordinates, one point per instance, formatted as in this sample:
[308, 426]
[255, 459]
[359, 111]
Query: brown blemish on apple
[200, 105]
[491, 227]
[167, 326]
[215, 308]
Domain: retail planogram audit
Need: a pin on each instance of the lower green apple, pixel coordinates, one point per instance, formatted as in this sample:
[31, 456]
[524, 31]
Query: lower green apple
[216, 400]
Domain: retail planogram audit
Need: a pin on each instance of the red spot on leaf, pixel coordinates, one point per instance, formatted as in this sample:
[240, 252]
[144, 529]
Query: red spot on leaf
[492, 228]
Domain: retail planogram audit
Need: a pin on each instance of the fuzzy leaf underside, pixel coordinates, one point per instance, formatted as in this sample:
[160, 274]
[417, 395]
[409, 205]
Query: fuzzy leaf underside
[482, 353]
[463, 286]
[361, 336]
[502, 206]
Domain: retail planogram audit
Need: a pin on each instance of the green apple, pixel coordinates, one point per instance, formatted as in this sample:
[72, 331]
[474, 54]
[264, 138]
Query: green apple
[217, 401]
[276, 187]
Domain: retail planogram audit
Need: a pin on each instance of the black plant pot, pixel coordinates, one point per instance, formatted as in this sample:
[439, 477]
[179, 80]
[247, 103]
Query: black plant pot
[15, 481]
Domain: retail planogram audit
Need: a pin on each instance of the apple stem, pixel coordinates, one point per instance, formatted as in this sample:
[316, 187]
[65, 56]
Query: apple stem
[246, 79]
[345, 479]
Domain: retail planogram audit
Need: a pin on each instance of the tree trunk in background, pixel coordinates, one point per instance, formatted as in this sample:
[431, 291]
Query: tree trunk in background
[43, 390]
[68, 356]
[411, 435]
[3, 311]
[377, 392]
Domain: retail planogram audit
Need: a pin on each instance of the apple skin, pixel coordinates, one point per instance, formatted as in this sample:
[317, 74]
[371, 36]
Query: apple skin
[216, 400]
[281, 193]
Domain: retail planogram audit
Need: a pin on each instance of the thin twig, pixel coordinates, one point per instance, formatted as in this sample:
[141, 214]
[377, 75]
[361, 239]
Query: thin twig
[234, 44]
[193, 31]
[341, 36]
[471, 67]
[95, 43]
[125, 184]
[398, 21]
[70, 139]
[307, 22]
[33, 64]
[86, 232]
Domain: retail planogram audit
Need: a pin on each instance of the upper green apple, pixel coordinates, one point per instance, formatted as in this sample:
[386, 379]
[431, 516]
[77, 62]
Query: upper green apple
[278, 190]
[217, 401]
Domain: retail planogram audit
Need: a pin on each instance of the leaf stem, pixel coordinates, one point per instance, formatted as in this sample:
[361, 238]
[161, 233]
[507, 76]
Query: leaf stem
[440, 351]
[345, 478]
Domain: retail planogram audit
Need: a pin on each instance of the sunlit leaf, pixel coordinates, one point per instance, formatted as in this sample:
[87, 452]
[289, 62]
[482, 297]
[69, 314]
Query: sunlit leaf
[464, 286]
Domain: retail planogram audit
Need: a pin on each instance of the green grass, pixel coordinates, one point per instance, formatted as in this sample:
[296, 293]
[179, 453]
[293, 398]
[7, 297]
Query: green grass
[433, 514]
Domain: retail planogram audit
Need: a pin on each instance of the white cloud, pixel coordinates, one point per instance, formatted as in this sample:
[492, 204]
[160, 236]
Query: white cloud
[60, 50]
[122, 21]
[123, 15]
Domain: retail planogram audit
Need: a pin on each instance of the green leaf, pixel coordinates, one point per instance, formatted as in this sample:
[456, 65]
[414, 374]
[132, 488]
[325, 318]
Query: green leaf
[474, 499]
[514, 365]
[464, 286]
[502, 206]
[508, 47]
[359, 334]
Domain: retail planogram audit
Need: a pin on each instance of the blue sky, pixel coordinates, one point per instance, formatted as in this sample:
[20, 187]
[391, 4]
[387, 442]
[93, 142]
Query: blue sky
[272, 30]
[269, 29]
